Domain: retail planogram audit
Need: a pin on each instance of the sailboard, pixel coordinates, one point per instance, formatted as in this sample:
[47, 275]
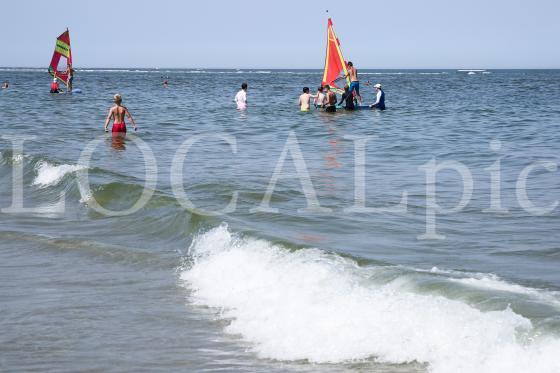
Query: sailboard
[62, 58]
[335, 73]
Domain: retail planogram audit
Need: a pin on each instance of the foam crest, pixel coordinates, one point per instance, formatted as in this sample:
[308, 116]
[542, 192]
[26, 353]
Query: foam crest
[312, 305]
[49, 175]
[493, 282]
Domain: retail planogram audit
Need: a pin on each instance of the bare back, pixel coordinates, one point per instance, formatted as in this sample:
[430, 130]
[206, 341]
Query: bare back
[353, 72]
[119, 112]
[331, 98]
[305, 100]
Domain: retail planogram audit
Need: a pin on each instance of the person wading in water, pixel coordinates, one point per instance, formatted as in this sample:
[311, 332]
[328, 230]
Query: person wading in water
[117, 113]
[330, 98]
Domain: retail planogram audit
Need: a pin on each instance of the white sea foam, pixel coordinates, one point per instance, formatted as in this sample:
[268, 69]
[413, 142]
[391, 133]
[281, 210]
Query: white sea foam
[49, 175]
[23, 69]
[106, 70]
[308, 304]
[18, 158]
[494, 283]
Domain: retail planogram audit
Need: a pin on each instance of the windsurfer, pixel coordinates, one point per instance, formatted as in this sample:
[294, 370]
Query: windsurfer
[354, 81]
[118, 113]
[70, 72]
[330, 100]
[241, 97]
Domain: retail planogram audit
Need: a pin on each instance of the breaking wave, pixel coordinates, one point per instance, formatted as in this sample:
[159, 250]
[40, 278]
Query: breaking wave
[316, 306]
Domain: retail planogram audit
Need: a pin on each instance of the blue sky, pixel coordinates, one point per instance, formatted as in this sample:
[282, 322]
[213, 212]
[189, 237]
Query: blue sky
[284, 34]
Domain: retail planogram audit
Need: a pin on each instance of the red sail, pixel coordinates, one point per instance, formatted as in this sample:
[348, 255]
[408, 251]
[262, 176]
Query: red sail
[335, 66]
[62, 58]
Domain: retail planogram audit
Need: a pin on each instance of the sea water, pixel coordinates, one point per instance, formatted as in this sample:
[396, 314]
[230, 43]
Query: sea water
[274, 240]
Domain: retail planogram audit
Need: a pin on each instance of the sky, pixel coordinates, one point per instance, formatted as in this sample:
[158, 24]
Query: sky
[391, 34]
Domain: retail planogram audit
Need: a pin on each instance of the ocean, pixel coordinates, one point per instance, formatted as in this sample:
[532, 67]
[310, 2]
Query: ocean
[424, 238]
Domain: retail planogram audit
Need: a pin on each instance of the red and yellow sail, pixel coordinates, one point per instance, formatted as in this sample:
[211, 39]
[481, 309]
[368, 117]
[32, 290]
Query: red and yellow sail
[335, 65]
[62, 58]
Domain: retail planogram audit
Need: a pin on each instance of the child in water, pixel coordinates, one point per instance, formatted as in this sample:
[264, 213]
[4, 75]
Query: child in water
[54, 86]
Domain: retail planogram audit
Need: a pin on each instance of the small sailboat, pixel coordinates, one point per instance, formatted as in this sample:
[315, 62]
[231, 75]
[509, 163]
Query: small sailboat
[62, 58]
[335, 73]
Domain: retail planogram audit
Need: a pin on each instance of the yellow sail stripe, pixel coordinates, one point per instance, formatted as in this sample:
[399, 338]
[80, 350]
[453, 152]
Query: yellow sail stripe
[62, 48]
[327, 57]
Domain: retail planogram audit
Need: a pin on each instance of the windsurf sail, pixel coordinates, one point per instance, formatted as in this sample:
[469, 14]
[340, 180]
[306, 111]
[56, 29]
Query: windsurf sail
[335, 65]
[62, 58]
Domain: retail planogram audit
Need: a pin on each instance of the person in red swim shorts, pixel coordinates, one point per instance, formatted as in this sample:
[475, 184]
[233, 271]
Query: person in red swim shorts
[118, 112]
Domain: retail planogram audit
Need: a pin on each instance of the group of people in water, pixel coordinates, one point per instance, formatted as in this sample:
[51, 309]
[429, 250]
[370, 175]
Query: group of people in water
[326, 98]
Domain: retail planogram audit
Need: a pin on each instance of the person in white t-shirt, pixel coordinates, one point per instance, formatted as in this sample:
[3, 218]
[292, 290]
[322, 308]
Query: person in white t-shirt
[241, 97]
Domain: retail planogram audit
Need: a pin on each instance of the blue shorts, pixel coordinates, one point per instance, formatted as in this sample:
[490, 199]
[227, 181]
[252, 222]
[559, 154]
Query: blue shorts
[355, 86]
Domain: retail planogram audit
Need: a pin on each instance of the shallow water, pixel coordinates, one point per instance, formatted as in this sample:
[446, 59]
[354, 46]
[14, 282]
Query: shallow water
[172, 288]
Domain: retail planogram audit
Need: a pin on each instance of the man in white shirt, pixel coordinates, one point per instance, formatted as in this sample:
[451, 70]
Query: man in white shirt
[241, 97]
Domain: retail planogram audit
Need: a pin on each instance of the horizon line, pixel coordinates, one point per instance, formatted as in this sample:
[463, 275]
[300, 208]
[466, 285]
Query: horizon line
[289, 68]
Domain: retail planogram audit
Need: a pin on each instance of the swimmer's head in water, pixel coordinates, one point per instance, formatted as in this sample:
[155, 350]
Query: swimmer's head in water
[305, 89]
[244, 86]
[118, 99]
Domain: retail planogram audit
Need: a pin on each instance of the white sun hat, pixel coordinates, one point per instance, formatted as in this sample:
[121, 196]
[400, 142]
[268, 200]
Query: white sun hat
[377, 86]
